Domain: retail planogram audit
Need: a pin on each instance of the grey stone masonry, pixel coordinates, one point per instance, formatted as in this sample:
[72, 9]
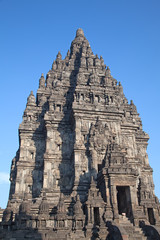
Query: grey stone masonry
[81, 170]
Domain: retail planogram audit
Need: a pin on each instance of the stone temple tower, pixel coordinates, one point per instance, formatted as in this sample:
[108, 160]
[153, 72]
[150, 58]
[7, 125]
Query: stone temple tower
[81, 170]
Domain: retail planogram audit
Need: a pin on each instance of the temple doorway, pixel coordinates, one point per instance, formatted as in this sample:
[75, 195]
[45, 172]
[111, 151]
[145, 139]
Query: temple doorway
[124, 200]
[151, 216]
[96, 216]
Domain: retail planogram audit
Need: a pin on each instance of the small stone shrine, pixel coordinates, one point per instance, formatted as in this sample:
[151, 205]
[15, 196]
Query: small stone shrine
[81, 170]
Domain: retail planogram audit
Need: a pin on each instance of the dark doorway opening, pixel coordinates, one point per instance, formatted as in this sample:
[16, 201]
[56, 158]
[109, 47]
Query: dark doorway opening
[151, 216]
[96, 216]
[99, 167]
[124, 200]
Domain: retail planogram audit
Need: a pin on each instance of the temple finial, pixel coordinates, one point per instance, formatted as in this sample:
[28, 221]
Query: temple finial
[108, 72]
[131, 102]
[31, 101]
[79, 32]
[42, 81]
[68, 53]
[59, 56]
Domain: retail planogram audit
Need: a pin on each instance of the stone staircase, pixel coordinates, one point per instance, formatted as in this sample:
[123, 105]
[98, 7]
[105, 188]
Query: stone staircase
[133, 232]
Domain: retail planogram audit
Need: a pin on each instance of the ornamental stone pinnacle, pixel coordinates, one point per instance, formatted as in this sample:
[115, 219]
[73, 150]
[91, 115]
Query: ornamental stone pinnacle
[79, 33]
[81, 170]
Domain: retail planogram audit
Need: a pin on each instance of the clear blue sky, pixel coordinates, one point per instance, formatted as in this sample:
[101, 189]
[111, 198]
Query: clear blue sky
[125, 32]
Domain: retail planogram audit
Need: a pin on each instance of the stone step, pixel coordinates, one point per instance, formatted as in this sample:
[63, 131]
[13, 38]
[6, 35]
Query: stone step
[132, 231]
[124, 219]
[137, 238]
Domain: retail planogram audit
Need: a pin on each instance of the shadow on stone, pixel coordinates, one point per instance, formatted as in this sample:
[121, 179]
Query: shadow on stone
[114, 232]
[151, 232]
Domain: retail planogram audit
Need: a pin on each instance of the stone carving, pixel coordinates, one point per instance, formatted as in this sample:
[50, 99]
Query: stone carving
[81, 78]
[94, 79]
[81, 170]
